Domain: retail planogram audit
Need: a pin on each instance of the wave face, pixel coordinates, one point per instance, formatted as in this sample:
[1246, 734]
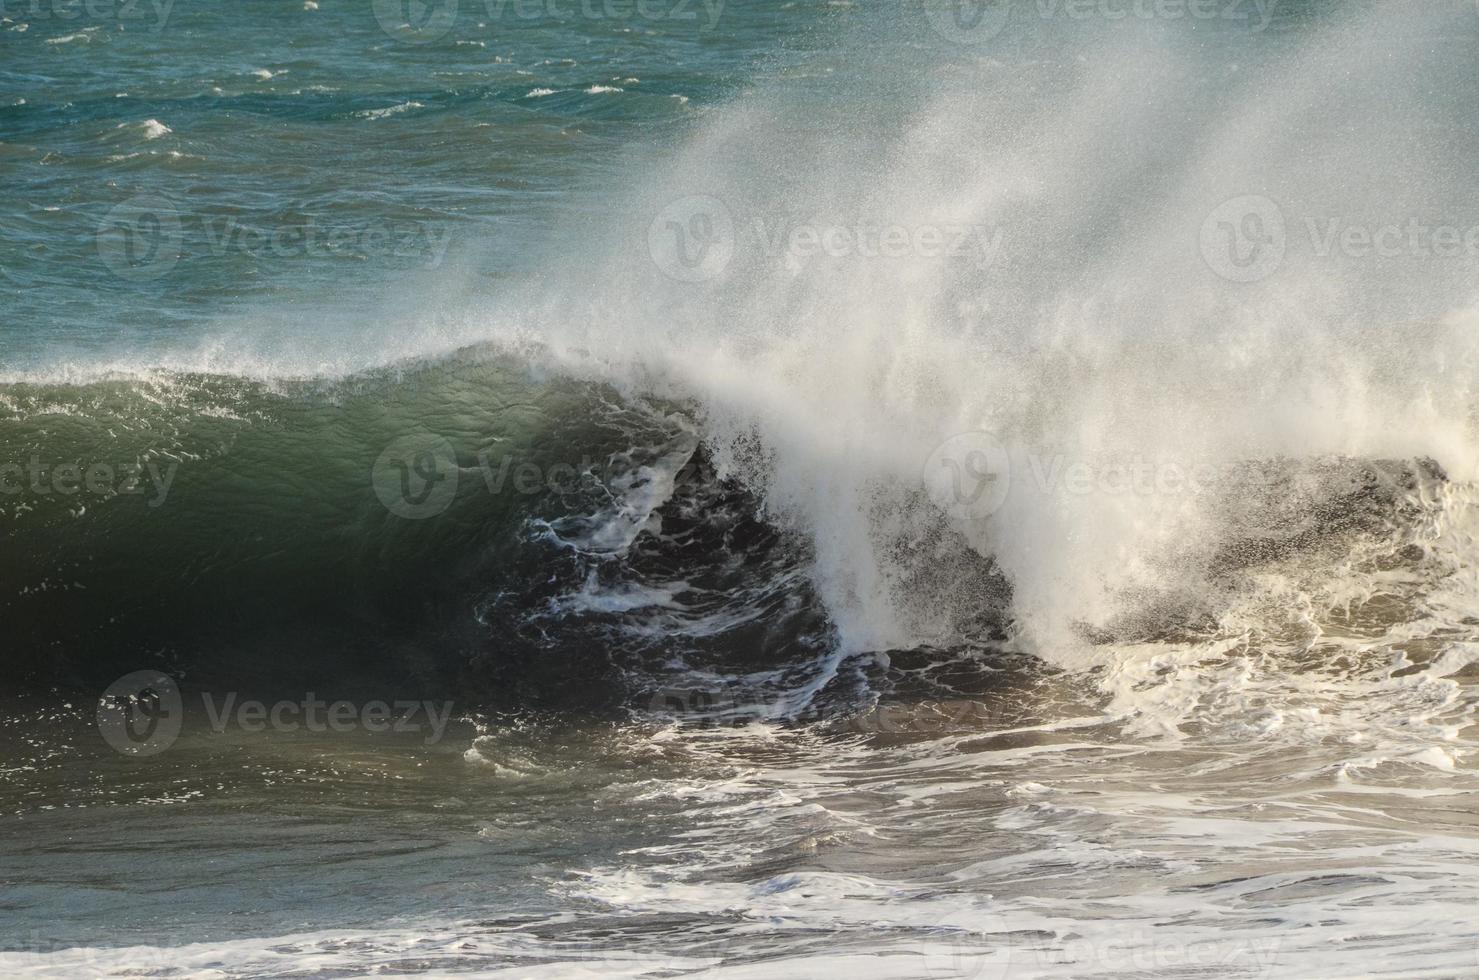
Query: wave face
[848, 293]
[277, 535]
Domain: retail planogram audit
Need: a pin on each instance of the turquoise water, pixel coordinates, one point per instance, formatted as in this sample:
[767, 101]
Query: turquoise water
[315, 162]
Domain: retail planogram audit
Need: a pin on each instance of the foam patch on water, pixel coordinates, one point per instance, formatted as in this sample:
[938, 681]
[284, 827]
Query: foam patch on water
[85, 35]
[394, 110]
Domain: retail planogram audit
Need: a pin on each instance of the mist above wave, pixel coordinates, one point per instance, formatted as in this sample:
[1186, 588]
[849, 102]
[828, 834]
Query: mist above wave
[1057, 242]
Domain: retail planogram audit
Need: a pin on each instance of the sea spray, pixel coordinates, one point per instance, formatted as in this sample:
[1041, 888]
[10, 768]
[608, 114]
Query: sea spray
[1148, 299]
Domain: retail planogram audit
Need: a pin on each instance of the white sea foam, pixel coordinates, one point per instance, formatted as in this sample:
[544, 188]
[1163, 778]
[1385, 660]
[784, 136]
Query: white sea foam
[86, 34]
[634, 498]
[1099, 330]
[153, 129]
[393, 110]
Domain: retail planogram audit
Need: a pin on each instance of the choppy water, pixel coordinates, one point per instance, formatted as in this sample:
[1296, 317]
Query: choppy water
[889, 490]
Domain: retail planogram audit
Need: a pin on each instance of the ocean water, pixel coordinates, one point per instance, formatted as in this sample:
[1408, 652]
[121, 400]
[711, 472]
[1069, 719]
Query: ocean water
[777, 489]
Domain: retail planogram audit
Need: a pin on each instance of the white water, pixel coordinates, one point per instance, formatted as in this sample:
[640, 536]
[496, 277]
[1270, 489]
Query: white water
[1287, 794]
[1098, 334]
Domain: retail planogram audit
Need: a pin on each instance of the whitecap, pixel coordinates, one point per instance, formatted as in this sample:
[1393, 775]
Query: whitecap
[389, 110]
[153, 128]
[84, 35]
